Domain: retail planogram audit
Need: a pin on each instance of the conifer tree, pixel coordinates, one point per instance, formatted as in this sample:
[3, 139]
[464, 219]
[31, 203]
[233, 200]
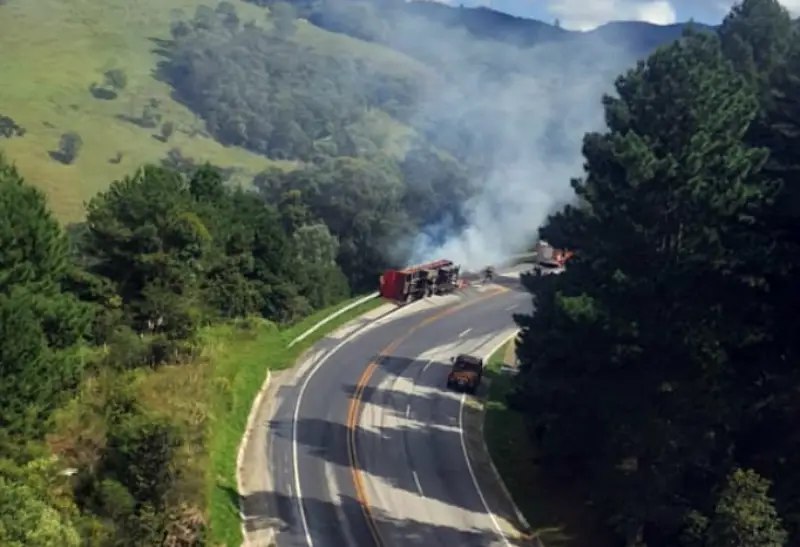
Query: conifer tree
[40, 323]
[623, 345]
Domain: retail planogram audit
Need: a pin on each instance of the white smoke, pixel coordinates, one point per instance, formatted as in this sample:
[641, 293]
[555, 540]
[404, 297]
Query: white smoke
[536, 116]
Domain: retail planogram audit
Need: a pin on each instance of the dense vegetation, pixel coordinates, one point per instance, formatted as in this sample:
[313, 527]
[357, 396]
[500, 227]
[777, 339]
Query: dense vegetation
[257, 88]
[95, 317]
[661, 370]
[260, 89]
[159, 257]
[679, 417]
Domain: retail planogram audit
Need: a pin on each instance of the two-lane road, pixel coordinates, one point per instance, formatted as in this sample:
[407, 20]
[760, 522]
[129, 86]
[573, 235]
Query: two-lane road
[366, 448]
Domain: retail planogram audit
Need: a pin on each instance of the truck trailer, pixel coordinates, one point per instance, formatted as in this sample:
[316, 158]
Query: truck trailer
[415, 282]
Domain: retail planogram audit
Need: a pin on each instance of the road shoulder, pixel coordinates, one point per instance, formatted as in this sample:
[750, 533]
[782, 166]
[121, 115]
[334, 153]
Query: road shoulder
[259, 526]
[260, 522]
[489, 479]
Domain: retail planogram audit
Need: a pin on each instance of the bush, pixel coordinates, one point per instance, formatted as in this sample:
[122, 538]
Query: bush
[116, 78]
[69, 147]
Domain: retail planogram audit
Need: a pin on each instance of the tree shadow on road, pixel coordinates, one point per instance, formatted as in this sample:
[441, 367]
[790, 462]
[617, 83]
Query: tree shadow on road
[428, 391]
[322, 517]
[386, 449]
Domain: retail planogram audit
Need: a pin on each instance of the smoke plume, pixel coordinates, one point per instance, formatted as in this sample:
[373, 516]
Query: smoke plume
[526, 111]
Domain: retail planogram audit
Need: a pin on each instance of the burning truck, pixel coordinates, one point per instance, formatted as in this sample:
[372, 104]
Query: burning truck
[548, 259]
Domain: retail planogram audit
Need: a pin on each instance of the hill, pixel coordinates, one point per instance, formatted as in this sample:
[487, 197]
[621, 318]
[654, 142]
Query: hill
[252, 89]
[372, 20]
[56, 53]
[657, 374]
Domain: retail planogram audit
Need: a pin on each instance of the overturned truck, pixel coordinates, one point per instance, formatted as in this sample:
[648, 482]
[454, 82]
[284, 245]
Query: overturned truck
[415, 282]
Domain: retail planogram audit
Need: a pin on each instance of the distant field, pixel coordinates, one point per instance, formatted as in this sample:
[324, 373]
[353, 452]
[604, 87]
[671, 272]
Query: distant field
[52, 52]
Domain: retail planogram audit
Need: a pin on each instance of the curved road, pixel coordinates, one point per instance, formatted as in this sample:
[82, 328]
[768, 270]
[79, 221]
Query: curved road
[366, 447]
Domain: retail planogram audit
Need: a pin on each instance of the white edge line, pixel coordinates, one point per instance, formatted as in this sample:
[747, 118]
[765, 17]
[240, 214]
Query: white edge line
[296, 417]
[416, 481]
[464, 332]
[248, 431]
[257, 402]
[469, 463]
[333, 316]
[520, 517]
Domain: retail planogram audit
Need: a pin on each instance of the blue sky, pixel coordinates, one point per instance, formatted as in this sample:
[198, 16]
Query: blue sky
[588, 14]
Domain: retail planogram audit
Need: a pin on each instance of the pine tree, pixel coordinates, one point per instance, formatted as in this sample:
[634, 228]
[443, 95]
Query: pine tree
[624, 345]
[757, 36]
[768, 375]
[144, 234]
[745, 515]
[40, 323]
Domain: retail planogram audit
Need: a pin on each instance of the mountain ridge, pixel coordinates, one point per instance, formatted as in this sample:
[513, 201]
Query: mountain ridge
[486, 23]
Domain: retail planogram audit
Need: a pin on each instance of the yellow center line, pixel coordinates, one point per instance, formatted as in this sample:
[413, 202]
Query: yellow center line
[355, 406]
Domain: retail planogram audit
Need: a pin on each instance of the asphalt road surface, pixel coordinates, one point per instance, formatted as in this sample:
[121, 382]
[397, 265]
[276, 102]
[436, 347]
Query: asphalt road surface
[399, 476]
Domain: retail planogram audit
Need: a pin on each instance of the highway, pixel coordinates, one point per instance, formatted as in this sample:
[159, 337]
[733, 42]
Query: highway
[365, 445]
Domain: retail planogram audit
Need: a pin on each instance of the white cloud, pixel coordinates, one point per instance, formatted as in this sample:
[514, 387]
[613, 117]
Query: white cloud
[589, 14]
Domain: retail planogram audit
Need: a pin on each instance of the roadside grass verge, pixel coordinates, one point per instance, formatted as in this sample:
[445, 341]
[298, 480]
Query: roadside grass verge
[242, 358]
[209, 398]
[554, 510]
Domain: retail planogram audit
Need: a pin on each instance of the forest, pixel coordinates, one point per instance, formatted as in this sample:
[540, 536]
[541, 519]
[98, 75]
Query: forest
[660, 372]
[159, 257]
[260, 89]
[109, 326]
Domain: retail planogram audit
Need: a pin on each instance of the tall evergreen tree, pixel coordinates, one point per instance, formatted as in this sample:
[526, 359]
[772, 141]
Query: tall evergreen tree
[144, 234]
[757, 36]
[745, 514]
[624, 345]
[40, 323]
[770, 377]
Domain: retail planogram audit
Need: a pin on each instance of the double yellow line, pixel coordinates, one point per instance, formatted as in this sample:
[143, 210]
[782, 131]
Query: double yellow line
[355, 408]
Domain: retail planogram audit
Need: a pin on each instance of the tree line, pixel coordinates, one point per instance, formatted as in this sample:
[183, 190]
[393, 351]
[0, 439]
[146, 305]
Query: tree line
[661, 369]
[258, 88]
[160, 256]
[172, 249]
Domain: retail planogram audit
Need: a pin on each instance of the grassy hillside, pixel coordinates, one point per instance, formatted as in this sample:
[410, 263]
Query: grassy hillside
[53, 51]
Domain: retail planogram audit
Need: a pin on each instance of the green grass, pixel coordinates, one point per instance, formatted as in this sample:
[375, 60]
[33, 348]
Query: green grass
[555, 511]
[237, 376]
[53, 50]
[209, 398]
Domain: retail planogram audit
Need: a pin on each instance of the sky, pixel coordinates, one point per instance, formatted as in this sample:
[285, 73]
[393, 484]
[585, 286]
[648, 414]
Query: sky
[589, 14]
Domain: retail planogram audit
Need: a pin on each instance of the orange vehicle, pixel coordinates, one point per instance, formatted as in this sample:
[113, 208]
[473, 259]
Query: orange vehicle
[417, 282]
[466, 373]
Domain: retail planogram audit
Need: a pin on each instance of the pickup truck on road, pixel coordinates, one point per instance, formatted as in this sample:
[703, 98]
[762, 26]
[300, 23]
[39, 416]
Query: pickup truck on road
[466, 373]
